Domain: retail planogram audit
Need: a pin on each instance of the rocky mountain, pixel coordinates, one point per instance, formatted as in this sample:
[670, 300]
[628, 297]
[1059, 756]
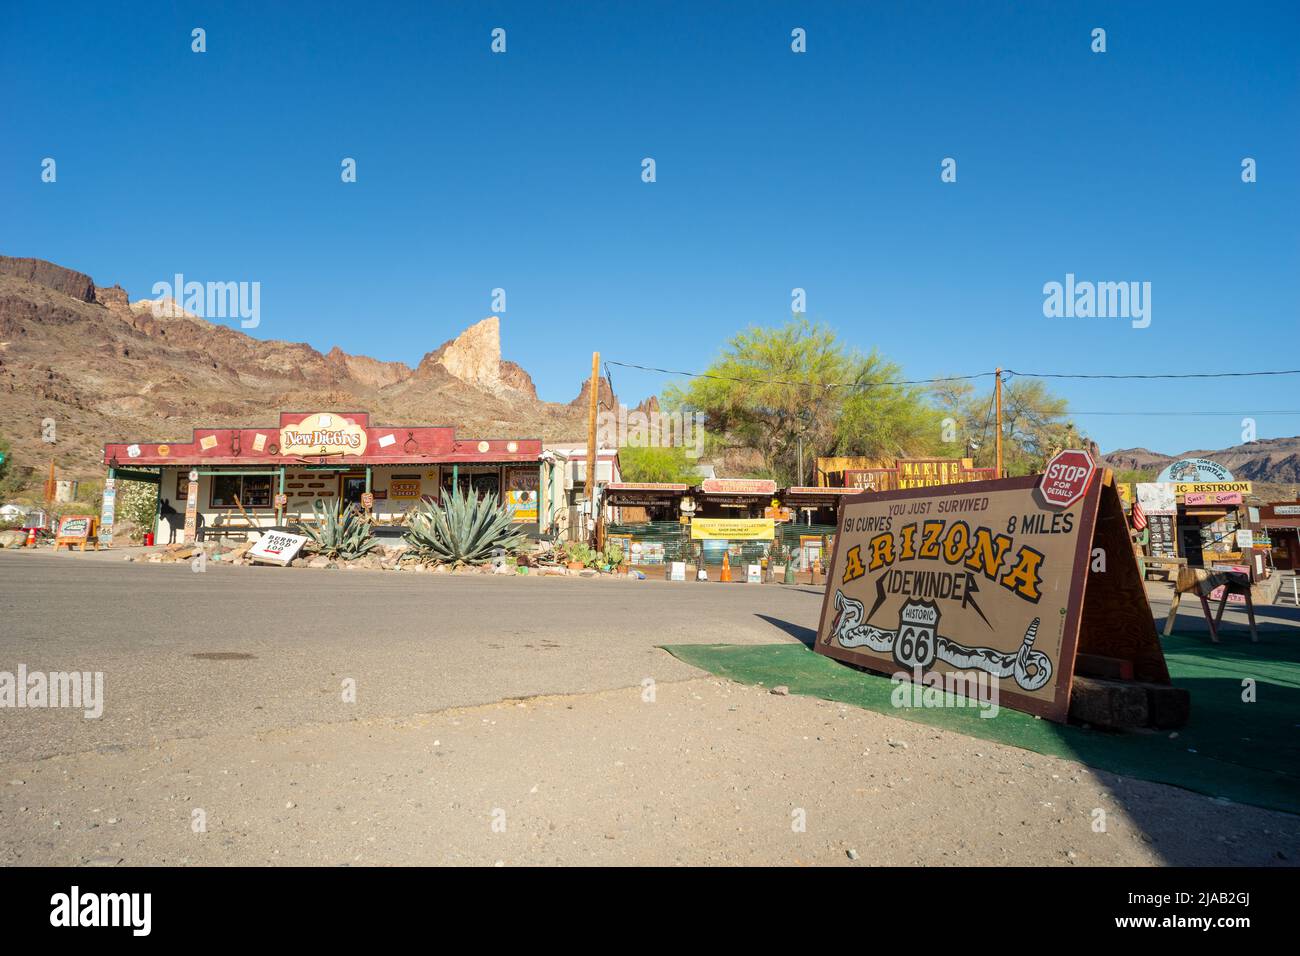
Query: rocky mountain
[1268, 459]
[1273, 464]
[98, 367]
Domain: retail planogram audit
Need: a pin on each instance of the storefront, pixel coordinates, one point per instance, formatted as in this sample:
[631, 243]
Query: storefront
[645, 518]
[251, 478]
[1206, 524]
[889, 474]
[1280, 524]
[734, 497]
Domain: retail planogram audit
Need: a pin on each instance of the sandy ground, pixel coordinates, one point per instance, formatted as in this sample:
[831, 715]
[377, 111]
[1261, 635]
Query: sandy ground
[693, 770]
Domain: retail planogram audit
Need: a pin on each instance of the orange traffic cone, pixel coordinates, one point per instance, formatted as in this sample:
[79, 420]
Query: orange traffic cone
[726, 568]
[31, 537]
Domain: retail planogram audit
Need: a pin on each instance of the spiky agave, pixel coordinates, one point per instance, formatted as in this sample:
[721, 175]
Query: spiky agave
[340, 532]
[461, 529]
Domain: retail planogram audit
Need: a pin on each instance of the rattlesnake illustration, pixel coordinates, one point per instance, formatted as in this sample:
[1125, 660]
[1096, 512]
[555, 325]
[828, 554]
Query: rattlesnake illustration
[1031, 669]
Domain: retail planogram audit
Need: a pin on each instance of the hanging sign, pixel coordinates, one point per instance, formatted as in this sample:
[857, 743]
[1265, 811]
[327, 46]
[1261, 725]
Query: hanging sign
[988, 585]
[1212, 498]
[1195, 469]
[1212, 487]
[191, 509]
[521, 493]
[108, 512]
[1157, 498]
[323, 434]
[732, 529]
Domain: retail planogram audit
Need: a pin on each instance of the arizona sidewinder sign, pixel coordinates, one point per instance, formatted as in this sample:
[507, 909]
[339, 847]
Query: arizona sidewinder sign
[990, 577]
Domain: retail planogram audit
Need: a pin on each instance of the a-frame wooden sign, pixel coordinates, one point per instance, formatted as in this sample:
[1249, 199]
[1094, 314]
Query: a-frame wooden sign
[996, 580]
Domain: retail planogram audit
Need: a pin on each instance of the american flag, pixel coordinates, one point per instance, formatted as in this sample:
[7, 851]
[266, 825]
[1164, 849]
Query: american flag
[1139, 518]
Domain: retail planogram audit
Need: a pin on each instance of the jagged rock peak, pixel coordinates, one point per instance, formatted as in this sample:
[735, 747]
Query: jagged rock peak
[474, 357]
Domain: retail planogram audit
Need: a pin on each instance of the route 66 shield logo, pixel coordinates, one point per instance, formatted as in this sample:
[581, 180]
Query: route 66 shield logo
[918, 631]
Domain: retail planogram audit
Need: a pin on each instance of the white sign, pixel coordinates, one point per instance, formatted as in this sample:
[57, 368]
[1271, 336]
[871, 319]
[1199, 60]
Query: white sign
[1157, 497]
[1286, 509]
[1195, 470]
[754, 574]
[677, 571]
[106, 516]
[277, 547]
[1245, 538]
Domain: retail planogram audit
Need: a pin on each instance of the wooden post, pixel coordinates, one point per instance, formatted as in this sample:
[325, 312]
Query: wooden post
[997, 389]
[592, 402]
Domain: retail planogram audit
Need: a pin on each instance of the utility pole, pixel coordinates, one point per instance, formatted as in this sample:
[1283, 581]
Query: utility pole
[998, 444]
[591, 433]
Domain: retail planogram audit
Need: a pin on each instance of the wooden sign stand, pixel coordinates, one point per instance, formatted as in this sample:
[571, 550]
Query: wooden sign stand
[1077, 640]
[79, 540]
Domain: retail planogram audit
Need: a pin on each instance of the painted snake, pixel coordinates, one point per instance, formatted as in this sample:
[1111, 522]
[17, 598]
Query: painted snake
[1031, 669]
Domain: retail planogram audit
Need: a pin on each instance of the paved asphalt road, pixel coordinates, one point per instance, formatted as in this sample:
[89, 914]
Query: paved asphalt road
[413, 643]
[438, 747]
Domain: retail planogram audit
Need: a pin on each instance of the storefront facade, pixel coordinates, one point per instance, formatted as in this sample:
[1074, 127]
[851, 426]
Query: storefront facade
[264, 477]
[1280, 523]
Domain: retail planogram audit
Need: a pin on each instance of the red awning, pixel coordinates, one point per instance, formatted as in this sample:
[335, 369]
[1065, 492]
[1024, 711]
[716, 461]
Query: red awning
[1291, 522]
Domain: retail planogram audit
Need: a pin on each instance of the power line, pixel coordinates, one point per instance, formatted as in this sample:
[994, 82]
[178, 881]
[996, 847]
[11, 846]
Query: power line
[1194, 414]
[768, 381]
[1008, 373]
[1291, 371]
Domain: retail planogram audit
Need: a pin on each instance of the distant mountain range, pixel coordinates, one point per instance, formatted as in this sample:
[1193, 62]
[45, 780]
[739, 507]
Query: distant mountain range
[103, 368]
[1273, 464]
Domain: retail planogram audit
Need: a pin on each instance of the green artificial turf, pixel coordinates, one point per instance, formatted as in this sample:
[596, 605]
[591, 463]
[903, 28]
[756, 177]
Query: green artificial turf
[1244, 752]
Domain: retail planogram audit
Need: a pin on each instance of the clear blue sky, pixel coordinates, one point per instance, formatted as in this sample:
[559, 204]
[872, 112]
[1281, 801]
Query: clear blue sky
[775, 170]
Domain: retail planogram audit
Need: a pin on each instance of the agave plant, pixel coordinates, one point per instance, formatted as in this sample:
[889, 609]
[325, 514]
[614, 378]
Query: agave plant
[461, 529]
[340, 532]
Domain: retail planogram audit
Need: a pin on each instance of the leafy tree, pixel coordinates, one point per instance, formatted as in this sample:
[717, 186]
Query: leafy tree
[1035, 424]
[6, 465]
[657, 464]
[797, 388]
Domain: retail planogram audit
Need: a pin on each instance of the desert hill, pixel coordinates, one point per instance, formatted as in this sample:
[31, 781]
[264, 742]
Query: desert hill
[104, 368]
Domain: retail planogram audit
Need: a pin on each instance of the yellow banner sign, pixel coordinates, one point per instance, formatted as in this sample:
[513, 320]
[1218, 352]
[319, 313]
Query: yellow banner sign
[732, 529]
[1211, 487]
[323, 434]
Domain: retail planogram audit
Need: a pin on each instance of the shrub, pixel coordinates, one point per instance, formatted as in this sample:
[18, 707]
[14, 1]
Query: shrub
[340, 532]
[461, 529]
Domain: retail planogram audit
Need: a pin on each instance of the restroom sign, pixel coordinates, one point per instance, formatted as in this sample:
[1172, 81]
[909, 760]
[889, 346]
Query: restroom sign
[1066, 477]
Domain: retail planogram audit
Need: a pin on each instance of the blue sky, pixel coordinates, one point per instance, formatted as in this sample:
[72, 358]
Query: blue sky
[775, 170]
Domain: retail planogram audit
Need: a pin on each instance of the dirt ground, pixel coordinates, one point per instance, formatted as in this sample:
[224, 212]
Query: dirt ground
[706, 773]
[579, 758]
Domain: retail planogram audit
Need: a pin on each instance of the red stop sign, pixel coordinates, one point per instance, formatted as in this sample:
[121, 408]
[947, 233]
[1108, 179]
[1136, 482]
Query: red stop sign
[1066, 477]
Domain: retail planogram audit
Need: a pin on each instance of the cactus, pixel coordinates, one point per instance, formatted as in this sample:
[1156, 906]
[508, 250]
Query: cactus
[340, 532]
[461, 529]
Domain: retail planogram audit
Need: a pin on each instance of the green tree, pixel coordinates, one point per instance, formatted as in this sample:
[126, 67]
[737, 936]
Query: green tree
[657, 464]
[1035, 424]
[795, 391]
[6, 464]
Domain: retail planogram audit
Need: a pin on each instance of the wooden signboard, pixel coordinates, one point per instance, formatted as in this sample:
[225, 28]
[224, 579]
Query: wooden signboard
[191, 509]
[76, 531]
[989, 577]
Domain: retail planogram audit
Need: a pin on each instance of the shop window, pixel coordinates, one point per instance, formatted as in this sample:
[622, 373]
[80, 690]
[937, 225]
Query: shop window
[253, 491]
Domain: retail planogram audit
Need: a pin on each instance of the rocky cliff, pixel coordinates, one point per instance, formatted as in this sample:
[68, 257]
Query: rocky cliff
[105, 368]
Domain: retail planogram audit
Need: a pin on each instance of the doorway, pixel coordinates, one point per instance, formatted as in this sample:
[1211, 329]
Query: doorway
[351, 486]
